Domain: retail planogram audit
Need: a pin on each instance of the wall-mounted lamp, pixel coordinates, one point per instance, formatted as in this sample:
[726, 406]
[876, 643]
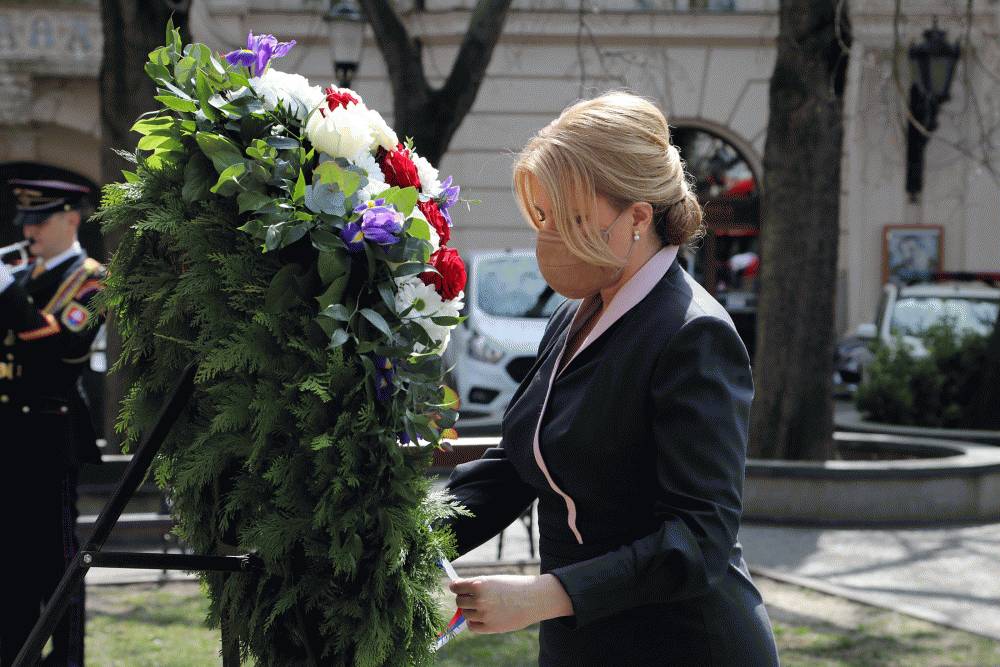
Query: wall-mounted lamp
[347, 30]
[932, 66]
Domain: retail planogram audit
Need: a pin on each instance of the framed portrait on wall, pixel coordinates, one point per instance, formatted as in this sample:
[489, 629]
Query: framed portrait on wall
[911, 251]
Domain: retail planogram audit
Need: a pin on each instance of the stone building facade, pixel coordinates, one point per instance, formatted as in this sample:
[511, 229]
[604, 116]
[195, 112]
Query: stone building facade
[707, 63]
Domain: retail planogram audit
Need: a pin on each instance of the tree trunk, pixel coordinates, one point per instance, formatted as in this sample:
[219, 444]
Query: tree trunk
[131, 30]
[792, 415]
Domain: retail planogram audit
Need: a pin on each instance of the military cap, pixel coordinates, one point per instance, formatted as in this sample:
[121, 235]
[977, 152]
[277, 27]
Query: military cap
[37, 200]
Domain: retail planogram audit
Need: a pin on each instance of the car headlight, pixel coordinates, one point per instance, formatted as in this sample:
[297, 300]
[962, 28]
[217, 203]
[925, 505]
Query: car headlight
[481, 349]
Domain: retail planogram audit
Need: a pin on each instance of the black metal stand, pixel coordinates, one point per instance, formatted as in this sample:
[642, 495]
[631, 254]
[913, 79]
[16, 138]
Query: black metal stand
[92, 556]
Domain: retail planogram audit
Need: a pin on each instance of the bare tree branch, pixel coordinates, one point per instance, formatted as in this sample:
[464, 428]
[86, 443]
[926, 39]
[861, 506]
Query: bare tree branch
[402, 54]
[582, 28]
[476, 51]
[432, 116]
[985, 139]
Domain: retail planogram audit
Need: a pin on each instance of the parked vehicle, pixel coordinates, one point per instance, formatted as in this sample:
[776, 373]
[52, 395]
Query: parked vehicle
[969, 300]
[508, 304]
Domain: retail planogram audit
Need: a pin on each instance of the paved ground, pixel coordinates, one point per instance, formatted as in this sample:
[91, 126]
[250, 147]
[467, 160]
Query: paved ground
[945, 575]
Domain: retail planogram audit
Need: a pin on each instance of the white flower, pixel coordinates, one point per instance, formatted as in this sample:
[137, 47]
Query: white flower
[372, 190]
[376, 179]
[382, 135]
[429, 183]
[426, 303]
[367, 161]
[293, 90]
[342, 132]
[435, 239]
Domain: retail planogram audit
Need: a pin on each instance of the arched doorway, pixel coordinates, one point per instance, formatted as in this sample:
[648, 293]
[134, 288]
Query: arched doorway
[727, 262]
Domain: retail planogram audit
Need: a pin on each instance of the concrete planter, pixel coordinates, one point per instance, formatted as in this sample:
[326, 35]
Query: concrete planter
[951, 481]
[849, 419]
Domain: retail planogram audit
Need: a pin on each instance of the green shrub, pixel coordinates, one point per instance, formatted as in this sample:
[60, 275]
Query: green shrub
[935, 390]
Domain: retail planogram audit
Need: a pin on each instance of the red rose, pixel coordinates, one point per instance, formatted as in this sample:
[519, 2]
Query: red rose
[450, 279]
[339, 98]
[398, 168]
[436, 219]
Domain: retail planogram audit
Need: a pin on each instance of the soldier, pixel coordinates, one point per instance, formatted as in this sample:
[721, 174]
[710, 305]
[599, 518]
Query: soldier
[46, 329]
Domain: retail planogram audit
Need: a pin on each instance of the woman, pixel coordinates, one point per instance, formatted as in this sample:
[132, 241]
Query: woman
[631, 427]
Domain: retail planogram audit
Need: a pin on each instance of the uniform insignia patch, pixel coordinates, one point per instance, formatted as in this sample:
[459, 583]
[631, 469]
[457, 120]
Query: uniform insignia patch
[75, 316]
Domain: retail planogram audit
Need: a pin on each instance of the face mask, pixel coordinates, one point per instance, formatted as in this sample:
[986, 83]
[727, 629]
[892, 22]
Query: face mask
[566, 273]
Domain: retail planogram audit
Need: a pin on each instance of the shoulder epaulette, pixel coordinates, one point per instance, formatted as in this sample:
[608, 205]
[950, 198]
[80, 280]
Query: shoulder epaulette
[68, 289]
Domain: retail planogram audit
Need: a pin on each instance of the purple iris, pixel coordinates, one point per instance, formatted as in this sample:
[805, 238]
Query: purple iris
[354, 237]
[384, 373]
[447, 198]
[378, 224]
[258, 53]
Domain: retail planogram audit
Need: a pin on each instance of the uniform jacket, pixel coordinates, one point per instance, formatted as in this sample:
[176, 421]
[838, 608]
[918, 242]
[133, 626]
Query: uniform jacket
[636, 453]
[47, 330]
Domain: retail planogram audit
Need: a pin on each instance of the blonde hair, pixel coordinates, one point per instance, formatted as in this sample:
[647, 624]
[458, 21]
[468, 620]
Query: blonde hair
[617, 146]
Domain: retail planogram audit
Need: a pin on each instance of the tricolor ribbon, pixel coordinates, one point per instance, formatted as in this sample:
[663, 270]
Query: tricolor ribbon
[457, 623]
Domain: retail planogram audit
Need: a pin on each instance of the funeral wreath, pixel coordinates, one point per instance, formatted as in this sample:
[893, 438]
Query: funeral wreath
[283, 238]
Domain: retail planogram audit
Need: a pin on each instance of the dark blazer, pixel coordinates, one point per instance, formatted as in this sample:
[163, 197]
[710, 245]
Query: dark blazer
[644, 433]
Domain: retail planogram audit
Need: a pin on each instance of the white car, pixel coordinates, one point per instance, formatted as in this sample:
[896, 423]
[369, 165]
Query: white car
[508, 304]
[906, 311]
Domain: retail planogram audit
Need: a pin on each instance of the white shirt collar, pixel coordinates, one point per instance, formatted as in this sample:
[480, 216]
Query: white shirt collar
[72, 251]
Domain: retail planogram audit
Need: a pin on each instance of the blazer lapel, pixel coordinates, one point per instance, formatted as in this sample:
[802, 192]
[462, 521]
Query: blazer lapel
[629, 296]
[542, 361]
[548, 371]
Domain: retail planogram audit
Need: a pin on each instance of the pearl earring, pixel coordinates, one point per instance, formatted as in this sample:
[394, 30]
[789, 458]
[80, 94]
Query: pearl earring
[635, 236]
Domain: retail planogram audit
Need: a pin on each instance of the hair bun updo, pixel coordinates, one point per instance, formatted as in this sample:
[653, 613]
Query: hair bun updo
[617, 146]
[681, 221]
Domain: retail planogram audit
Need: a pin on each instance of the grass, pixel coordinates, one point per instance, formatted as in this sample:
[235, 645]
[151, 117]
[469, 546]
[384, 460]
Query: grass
[145, 624]
[887, 639]
[516, 649]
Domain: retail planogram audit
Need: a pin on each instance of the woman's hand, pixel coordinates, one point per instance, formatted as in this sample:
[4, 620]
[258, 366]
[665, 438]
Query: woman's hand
[504, 603]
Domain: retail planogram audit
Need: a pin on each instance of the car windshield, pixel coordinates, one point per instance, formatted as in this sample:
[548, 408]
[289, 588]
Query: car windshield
[913, 315]
[513, 287]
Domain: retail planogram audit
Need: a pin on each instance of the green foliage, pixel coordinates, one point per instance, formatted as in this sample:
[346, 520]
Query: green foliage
[936, 389]
[283, 450]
